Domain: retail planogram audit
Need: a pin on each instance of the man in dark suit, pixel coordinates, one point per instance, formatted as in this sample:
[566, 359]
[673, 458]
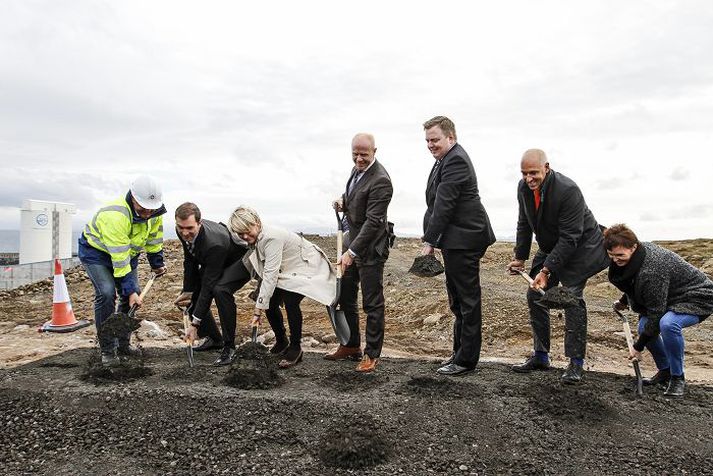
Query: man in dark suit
[456, 222]
[212, 269]
[570, 251]
[365, 203]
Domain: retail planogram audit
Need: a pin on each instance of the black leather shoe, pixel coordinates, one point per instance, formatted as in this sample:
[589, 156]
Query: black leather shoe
[676, 386]
[279, 347]
[227, 357]
[573, 374]
[448, 361]
[208, 344]
[454, 369]
[661, 378]
[532, 363]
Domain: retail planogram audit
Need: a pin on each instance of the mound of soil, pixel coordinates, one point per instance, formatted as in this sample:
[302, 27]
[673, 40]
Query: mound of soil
[439, 387]
[351, 381]
[259, 373]
[354, 444]
[117, 325]
[254, 351]
[97, 374]
[426, 266]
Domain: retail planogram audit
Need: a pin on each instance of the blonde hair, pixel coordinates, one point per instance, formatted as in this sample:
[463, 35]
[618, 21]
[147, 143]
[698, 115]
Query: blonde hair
[243, 218]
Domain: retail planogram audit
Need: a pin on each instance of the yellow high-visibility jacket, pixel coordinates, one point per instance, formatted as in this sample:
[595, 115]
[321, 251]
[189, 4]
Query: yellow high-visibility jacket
[117, 231]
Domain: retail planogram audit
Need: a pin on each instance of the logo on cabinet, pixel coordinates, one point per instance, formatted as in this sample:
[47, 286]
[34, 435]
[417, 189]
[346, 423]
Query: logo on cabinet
[42, 219]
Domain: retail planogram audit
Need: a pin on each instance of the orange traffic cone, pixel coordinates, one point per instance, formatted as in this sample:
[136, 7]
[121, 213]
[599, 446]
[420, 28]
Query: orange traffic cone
[63, 319]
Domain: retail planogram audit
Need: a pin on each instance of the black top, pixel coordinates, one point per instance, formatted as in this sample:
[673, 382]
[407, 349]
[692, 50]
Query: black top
[214, 250]
[455, 218]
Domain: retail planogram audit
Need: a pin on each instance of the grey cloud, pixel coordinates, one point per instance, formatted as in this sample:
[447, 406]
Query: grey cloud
[679, 174]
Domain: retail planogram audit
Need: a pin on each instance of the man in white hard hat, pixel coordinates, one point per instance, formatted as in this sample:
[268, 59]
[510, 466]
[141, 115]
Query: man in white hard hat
[109, 249]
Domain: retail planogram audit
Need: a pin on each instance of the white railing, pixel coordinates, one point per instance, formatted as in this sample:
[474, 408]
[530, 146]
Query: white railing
[16, 275]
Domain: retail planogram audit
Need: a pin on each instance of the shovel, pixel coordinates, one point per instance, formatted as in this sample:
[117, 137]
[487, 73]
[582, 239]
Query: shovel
[336, 316]
[630, 344]
[556, 297]
[120, 323]
[186, 324]
[253, 333]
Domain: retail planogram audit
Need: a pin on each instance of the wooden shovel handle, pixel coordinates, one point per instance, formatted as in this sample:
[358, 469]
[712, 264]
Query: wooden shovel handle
[527, 278]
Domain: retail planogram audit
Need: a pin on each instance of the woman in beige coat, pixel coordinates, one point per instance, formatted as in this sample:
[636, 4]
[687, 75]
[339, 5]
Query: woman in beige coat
[290, 268]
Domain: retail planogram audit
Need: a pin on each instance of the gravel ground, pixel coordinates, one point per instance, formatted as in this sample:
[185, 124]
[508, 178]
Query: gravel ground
[326, 419]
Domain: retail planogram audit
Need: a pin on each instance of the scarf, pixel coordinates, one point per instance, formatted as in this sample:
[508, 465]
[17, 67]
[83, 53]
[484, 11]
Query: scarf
[623, 277]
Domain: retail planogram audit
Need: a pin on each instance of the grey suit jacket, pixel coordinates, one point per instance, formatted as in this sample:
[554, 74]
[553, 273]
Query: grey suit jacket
[366, 209]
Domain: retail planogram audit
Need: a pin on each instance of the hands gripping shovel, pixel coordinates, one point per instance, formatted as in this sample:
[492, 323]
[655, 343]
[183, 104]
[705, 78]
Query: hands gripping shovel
[336, 316]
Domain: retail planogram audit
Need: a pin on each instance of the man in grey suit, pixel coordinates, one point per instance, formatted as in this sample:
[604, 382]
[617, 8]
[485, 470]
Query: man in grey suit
[571, 250]
[364, 203]
[456, 222]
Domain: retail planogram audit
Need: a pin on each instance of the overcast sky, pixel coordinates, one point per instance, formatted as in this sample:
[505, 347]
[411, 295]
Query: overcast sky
[255, 103]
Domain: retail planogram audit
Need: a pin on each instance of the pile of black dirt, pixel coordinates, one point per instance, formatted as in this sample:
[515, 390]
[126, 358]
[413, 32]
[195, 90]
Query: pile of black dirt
[117, 325]
[254, 351]
[558, 298]
[352, 381]
[570, 404]
[440, 388]
[257, 374]
[354, 444]
[129, 370]
[426, 266]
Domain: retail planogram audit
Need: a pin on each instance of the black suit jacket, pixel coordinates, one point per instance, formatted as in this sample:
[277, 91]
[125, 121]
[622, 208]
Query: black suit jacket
[365, 208]
[455, 218]
[564, 227]
[214, 250]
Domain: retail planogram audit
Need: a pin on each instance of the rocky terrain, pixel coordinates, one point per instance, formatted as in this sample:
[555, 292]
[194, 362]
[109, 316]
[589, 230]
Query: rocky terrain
[61, 417]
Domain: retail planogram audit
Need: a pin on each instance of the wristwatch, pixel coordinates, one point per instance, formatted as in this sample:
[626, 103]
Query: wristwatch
[546, 272]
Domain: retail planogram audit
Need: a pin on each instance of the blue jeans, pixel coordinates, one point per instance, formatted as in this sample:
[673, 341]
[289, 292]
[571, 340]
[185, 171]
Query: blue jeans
[106, 288]
[667, 348]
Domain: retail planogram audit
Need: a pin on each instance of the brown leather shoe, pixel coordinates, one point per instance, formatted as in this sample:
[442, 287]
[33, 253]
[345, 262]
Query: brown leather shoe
[343, 353]
[367, 364]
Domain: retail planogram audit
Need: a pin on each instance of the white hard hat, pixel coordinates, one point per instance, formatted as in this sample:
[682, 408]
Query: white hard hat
[147, 192]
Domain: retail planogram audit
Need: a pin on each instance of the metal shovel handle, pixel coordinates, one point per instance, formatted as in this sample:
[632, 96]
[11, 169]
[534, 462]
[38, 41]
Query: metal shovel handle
[630, 344]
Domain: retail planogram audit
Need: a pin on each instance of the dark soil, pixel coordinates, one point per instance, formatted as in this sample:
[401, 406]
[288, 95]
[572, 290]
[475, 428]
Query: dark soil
[117, 325]
[255, 368]
[403, 419]
[426, 266]
[558, 298]
[96, 373]
[255, 351]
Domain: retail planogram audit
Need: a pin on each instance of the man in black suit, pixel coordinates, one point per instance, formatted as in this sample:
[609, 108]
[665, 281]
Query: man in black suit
[212, 269]
[365, 203]
[571, 250]
[456, 222]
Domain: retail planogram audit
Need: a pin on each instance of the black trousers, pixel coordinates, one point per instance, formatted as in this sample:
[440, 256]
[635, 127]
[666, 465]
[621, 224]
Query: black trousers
[575, 318]
[464, 297]
[294, 316]
[371, 278]
[234, 277]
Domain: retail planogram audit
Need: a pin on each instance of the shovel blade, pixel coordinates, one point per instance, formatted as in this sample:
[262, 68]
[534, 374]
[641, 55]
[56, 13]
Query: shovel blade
[639, 379]
[339, 324]
[189, 353]
[253, 335]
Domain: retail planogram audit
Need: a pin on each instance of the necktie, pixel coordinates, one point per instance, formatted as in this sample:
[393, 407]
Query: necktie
[536, 192]
[353, 182]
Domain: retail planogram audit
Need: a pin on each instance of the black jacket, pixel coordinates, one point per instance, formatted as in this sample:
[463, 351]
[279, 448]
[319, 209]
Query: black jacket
[214, 250]
[455, 218]
[564, 228]
[365, 209]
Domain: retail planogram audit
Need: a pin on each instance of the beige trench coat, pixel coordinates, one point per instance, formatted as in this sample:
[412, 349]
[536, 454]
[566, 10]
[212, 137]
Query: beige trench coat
[285, 260]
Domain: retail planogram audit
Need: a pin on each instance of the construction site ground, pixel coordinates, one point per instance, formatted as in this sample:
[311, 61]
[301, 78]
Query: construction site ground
[170, 419]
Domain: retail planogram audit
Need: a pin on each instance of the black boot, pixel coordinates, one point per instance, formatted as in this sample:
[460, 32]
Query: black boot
[227, 357]
[532, 363]
[280, 346]
[661, 378]
[573, 374]
[209, 344]
[676, 386]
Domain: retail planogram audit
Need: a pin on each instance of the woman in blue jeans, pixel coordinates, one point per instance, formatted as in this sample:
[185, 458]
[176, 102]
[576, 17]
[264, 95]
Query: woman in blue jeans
[668, 293]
